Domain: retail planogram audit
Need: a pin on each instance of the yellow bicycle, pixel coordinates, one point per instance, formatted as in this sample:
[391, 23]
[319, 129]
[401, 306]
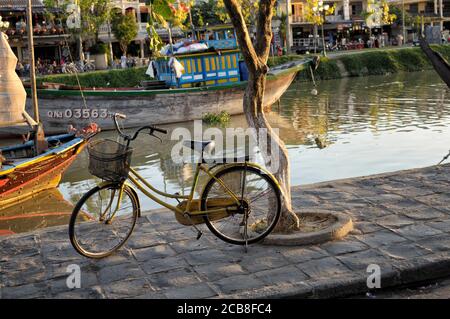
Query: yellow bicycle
[240, 203]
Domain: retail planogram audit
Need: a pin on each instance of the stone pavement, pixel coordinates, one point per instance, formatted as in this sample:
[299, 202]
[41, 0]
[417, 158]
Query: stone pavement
[402, 224]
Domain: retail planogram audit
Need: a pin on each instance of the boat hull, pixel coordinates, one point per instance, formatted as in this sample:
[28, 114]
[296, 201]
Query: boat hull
[63, 108]
[34, 175]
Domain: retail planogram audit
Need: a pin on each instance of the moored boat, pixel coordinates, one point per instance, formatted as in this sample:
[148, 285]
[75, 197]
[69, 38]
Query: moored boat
[22, 174]
[211, 80]
[38, 163]
[61, 108]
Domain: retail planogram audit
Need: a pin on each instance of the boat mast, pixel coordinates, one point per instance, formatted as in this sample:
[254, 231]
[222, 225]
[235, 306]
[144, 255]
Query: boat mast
[31, 58]
[39, 138]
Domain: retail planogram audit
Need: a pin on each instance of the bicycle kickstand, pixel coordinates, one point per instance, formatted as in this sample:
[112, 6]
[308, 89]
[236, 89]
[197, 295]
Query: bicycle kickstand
[199, 232]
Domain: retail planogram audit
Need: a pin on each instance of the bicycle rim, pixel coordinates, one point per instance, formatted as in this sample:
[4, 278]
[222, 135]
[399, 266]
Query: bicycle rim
[259, 193]
[97, 227]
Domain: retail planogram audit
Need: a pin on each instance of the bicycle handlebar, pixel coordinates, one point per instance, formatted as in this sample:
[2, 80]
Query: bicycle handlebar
[151, 128]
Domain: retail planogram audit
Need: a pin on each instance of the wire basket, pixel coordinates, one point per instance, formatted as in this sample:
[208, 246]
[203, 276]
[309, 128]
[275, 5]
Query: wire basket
[109, 160]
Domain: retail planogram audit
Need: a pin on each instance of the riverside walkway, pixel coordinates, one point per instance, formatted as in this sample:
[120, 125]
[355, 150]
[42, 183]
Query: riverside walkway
[401, 219]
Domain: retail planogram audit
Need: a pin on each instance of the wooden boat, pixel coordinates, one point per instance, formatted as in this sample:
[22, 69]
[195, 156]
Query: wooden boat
[61, 108]
[23, 174]
[43, 209]
[37, 164]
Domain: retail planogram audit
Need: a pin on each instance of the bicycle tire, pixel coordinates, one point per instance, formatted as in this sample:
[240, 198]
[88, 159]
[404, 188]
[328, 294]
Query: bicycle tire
[77, 209]
[277, 211]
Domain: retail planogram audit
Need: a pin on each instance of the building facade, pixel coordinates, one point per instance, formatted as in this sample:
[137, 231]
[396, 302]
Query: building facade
[49, 38]
[347, 20]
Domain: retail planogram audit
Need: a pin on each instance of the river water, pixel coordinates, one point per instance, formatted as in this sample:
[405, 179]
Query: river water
[368, 125]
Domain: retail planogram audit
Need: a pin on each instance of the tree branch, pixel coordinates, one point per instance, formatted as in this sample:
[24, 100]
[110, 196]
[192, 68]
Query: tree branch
[237, 18]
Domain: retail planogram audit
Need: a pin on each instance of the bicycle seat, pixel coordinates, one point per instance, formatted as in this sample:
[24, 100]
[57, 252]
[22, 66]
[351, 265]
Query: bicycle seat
[200, 146]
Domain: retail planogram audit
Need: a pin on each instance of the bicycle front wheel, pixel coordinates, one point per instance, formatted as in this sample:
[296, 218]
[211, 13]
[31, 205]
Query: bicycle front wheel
[257, 211]
[103, 220]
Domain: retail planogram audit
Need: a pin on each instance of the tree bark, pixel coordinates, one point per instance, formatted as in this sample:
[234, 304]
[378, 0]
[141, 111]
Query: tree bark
[256, 56]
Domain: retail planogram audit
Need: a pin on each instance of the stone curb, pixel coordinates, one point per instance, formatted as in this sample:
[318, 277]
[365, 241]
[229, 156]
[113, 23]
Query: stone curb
[406, 273]
[338, 230]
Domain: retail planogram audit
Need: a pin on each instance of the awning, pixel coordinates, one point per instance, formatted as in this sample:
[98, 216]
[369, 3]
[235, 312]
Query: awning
[21, 5]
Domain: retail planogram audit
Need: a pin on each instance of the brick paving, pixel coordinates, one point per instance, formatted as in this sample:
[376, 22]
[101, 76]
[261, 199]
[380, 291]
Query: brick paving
[402, 224]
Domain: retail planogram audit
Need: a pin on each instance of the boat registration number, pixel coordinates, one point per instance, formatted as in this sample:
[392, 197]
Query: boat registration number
[79, 114]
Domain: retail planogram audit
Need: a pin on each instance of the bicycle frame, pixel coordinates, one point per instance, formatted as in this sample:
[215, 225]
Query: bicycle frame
[141, 183]
[146, 188]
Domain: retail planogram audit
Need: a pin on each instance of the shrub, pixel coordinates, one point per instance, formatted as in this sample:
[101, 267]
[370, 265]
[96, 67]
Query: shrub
[369, 63]
[220, 119]
[99, 48]
[111, 78]
[410, 60]
[444, 50]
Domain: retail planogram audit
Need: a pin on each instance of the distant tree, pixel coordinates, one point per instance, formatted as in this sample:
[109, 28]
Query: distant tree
[93, 14]
[378, 13]
[214, 12]
[165, 14]
[206, 12]
[283, 27]
[314, 13]
[125, 29]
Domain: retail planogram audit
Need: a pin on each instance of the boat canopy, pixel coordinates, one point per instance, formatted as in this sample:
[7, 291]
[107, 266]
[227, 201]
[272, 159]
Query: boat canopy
[12, 93]
[206, 68]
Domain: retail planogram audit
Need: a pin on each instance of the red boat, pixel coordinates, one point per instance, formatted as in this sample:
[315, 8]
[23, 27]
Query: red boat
[22, 175]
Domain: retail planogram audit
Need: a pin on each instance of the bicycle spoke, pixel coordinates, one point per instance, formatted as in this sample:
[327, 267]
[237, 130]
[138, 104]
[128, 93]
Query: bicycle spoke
[110, 224]
[253, 218]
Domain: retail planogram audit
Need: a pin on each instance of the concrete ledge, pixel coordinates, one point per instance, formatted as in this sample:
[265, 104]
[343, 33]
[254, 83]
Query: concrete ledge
[338, 230]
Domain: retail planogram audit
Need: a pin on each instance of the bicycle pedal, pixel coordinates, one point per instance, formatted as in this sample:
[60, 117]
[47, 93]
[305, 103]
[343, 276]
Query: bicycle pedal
[199, 234]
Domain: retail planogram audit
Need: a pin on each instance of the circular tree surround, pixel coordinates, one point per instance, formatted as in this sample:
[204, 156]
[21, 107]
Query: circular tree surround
[317, 226]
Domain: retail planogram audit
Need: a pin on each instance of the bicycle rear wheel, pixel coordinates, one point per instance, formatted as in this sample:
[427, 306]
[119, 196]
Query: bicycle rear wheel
[256, 215]
[102, 221]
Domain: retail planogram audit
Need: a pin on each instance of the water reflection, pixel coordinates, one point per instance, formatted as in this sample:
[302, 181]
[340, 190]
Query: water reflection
[45, 209]
[370, 125]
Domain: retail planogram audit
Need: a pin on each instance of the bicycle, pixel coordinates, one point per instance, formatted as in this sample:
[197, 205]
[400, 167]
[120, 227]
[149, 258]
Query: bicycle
[78, 67]
[240, 203]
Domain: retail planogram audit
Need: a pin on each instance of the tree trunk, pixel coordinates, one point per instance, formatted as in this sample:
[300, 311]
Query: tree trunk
[256, 58]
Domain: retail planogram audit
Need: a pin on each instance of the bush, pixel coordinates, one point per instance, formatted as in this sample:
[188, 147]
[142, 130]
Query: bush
[111, 78]
[442, 49]
[99, 48]
[369, 63]
[327, 70]
[214, 119]
[410, 60]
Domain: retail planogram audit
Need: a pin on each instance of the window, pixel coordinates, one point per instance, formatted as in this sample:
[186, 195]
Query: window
[429, 7]
[356, 8]
[413, 8]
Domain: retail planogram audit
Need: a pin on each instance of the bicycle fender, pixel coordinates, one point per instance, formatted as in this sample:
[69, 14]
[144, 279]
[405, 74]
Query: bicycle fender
[262, 169]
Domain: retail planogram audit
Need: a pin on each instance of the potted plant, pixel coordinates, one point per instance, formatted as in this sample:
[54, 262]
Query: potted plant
[99, 55]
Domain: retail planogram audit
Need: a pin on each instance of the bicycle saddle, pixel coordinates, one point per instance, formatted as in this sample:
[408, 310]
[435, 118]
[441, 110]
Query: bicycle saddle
[200, 146]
